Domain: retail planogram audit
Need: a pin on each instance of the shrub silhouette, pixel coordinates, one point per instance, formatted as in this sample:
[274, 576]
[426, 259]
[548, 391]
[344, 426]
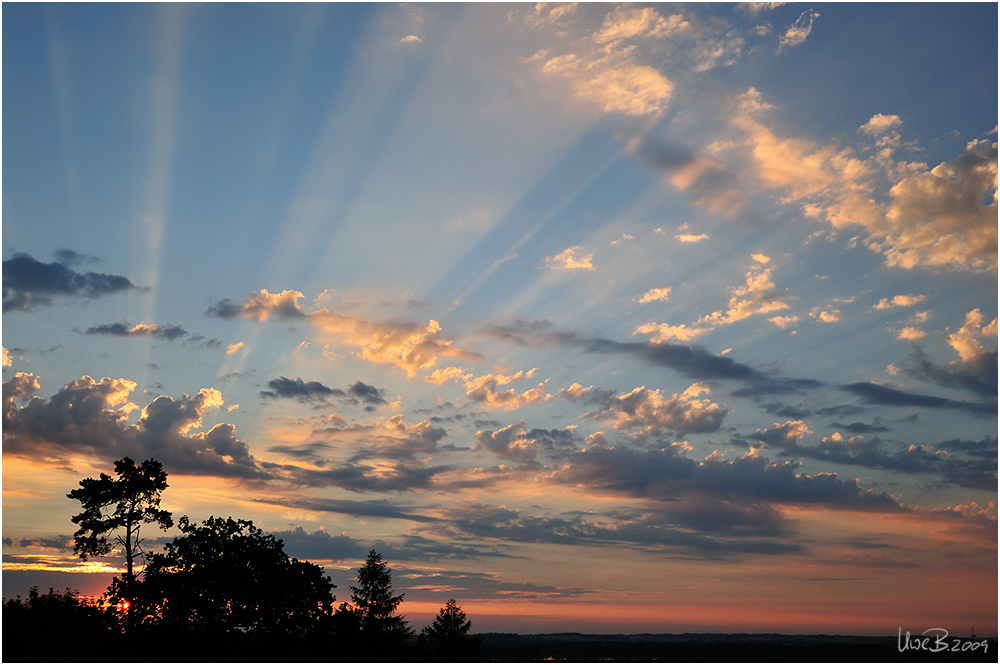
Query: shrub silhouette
[31, 622]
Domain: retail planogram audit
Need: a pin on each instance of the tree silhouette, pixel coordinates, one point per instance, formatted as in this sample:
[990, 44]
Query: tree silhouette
[227, 575]
[120, 506]
[375, 606]
[448, 636]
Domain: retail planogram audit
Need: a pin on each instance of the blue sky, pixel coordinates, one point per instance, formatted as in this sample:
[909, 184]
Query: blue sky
[512, 292]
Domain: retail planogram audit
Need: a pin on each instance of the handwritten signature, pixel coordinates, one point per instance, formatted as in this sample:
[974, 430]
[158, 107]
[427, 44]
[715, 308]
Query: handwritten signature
[935, 640]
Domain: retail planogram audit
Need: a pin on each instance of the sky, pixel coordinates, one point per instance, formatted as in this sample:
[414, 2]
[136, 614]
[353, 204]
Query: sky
[596, 318]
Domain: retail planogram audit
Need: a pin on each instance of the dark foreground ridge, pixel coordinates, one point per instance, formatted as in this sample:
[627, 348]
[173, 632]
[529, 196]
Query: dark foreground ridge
[727, 648]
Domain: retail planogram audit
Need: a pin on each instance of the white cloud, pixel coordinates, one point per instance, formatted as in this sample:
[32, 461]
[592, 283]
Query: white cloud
[486, 389]
[758, 295]
[623, 87]
[654, 295]
[914, 216]
[647, 413]
[880, 124]
[797, 32]
[689, 238]
[900, 301]
[912, 334]
[666, 332]
[784, 322]
[571, 258]
[826, 316]
[964, 341]
[410, 39]
[754, 8]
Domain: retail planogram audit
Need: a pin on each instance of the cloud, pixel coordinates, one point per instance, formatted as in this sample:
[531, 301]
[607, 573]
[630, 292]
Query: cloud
[570, 258]
[754, 8]
[125, 329]
[410, 39]
[979, 375]
[299, 390]
[693, 362]
[261, 306]
[314, 391]
[874, 393]
[653, 295]
[964, 340]
[91, 417]
[797, 33]
[653, 527]
[758, 295]
[383, 477]
[706, 182]
[940, 218]
[645, 413]
[666, 332]
[408, 345]
[914, 216]
[381, 508]
[825, 316]
[940, 460]
[6, 362]
[900, 301]
[29, 283]
[395, 440]
[880, 124]
[233, 348]
[784, 322]
[516, 443]
[665, 475]
[785, 436]
[486, 390]
[689, 238]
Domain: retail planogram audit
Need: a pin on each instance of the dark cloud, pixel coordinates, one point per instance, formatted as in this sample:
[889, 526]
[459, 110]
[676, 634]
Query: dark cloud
[367, 394]
[59, 543]
[393, 477]
[125, 329]
[873, 393]
[314, 453]
[861, 428]
[978, 375]
[516, 443]
[665, 474]
[316, 392]
[380, 508]
[85, 417]
[430, 585]
[646, 529]
[938, 460]
[29, 283]
[226, 309]
[69, 258]
[299, 390]
[710, 184]
[693, 362]
[260, 306]
[399, 441]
